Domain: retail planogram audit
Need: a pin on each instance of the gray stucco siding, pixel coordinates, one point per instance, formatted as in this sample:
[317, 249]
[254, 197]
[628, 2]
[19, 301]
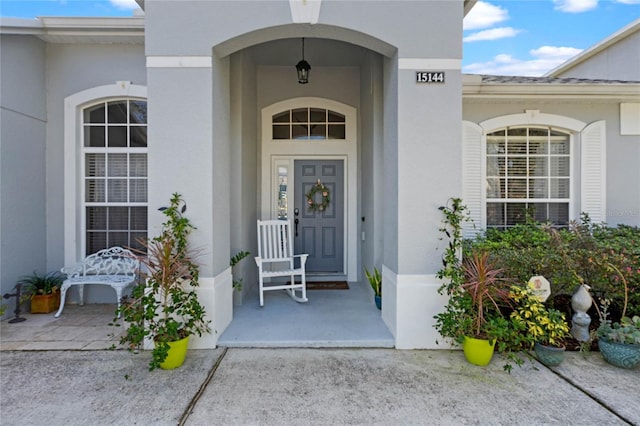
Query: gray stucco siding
[22, 159]
[420, 29]
[205, 24]
[181, 150]
[22, 75]
[429, 153]
[341, 84]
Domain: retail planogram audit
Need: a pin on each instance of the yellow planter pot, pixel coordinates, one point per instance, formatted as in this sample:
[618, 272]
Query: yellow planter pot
[478, 351]
[177, 354]
[45, 303]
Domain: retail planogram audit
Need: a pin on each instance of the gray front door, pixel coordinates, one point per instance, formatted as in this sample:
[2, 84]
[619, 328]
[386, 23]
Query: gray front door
[320, 233]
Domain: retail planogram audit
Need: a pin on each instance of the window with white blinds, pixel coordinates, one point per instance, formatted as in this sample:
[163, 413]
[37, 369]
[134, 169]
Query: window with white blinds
[528, 174]
[115, 174]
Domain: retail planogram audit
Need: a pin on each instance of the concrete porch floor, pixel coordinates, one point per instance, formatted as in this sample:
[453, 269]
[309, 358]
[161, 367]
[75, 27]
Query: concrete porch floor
[331, 318]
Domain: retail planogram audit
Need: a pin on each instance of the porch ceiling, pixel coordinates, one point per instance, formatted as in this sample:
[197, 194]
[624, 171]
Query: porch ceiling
[318, 52]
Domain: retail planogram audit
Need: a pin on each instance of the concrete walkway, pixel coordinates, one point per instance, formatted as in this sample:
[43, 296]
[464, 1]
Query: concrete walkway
[243, 386]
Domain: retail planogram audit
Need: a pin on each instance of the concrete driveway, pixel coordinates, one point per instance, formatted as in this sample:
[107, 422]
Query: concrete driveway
[311, 387]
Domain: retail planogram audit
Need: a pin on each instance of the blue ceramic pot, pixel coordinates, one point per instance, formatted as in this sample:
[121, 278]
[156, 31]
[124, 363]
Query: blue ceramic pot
[624, 355]
[549, 355]
[378, 300]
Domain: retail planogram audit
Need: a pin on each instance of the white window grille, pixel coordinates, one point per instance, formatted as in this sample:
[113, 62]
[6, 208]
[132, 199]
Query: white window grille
[308, 124]
[528, 174]
[114, 156]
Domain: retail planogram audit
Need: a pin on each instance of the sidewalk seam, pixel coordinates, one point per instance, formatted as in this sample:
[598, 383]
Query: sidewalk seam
[187, 412]
[590, 395]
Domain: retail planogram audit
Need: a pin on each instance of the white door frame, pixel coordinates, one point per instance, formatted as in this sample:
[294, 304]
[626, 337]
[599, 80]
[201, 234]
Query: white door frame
[279, 153]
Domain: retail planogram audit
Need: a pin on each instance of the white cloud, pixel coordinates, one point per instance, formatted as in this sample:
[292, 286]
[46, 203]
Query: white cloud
[627, 1]
[484, 15]
[550, 52]
[125, 4]
[575, 6]
[542, 60]
[492, 34]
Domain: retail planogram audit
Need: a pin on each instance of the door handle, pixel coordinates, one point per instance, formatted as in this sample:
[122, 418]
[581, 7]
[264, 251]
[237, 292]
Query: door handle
[296, 222]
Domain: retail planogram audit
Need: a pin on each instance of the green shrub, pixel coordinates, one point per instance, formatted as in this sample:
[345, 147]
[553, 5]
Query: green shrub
[584, 252]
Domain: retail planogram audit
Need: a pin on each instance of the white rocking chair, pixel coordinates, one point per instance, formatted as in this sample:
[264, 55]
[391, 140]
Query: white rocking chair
[275, 251]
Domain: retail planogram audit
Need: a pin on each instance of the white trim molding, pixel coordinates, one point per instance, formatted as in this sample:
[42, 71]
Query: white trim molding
[305, 11]
[179, 62]
[532, 117]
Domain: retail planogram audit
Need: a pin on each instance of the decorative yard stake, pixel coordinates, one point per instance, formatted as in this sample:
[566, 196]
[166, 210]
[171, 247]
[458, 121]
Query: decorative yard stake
[17, 311]
[581, 302]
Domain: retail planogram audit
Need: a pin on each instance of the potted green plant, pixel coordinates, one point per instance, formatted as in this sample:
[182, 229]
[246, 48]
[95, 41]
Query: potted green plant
[235, 259]
[476, 291]
[237, 282]
[541, 328]
[164, 306]
[375, 280]
[44, 290]
[619, 342]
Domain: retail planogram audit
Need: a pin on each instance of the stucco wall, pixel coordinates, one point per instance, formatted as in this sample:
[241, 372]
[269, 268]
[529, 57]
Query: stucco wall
[623, 152]
[420, 28]
[22, 160]
[244, 170]
[371, 163]
[341, 84]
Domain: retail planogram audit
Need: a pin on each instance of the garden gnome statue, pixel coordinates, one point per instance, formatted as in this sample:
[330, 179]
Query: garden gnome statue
[581, 302]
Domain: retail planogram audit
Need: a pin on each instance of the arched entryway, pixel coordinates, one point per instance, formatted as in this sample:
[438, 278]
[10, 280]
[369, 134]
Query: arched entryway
[327, 129]
[344, 99]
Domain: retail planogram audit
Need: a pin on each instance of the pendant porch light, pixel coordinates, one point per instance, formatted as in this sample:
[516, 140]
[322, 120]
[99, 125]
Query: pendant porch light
[303, 68]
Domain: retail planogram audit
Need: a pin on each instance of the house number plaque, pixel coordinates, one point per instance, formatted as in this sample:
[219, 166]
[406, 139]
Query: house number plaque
[430, 77]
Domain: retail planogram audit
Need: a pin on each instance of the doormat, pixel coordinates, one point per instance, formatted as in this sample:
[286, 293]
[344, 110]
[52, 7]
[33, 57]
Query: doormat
[326, 285]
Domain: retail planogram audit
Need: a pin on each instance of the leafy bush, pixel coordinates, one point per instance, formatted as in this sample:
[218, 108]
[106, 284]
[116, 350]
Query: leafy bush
[596, 255]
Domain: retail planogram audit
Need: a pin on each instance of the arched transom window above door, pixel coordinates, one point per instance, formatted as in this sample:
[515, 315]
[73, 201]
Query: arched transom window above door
[308, 124]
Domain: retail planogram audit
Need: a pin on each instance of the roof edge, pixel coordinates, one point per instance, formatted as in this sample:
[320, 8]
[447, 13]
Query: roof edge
[473, 87]
[77, 29]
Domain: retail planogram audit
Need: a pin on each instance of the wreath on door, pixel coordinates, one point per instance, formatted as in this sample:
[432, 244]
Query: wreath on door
[311, 197]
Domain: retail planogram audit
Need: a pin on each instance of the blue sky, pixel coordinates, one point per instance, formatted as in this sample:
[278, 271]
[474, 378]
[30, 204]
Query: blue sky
[506, 37]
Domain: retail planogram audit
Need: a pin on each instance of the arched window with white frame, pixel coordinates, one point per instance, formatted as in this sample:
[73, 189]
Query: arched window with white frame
[105, 174]
[544, 166]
